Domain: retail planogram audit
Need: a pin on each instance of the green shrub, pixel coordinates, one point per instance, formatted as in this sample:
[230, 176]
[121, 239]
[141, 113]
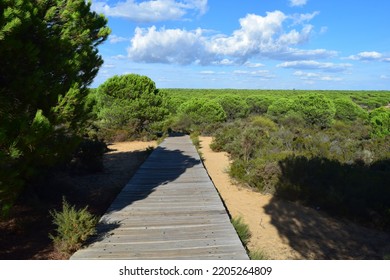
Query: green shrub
[234, 106]
[88, 157]
[199, 113]
[380, 122]
[347, 110]
[130, 98]
[265, 123]
[315, 109]
[242, 230]
[258, 104]
[280, 107]
[74, 227]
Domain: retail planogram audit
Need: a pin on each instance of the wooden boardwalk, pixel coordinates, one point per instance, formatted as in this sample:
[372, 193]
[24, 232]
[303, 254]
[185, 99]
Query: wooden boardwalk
[170, 209]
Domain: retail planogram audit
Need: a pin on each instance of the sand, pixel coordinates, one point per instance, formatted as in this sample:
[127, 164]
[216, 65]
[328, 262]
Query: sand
[284, 230]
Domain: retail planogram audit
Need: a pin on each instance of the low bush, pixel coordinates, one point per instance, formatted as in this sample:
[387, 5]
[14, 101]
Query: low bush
[198, 114]
[258, 104]
[234, 106]
[74, 227]
[347, 110]
[315, 109]
[380, 122]
[280, 107]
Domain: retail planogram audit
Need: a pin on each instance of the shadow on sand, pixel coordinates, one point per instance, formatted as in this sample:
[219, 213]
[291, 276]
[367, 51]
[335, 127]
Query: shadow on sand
[319, 182]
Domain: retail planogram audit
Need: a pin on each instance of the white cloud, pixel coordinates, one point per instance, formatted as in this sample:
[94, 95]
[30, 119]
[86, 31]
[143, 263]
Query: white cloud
[308, 76]
[265, 74]
[369, 56]
[261, 36]
[300, 18]
[167, 46]
[298, 54]
[207, 72]
[113, 39]
[224, 62]
[253, 65]
[295, 3]
[366, 56]
[151, 11]
[311, 64]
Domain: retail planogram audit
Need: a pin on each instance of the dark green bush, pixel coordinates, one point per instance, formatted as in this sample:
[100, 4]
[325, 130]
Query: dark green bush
[280, 107]
[380, 122]
[129, 100]
[347, 110]
[88, 157]
[315, 109]
[197, 114]
[234, 106]
[258, 104]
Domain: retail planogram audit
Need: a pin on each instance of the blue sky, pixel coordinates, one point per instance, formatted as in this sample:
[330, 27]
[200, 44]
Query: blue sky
[253, 44]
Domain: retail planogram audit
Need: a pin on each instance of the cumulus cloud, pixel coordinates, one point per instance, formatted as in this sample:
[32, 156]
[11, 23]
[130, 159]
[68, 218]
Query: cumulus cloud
[295, 3]
[258, 36]
[311, 64]
[370, 56]
[167, 46]
[151, 11]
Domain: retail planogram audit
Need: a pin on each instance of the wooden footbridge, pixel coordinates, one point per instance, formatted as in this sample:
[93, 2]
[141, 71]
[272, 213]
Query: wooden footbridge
[170, 209]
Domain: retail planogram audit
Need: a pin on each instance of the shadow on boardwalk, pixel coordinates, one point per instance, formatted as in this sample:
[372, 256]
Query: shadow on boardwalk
[162, 167]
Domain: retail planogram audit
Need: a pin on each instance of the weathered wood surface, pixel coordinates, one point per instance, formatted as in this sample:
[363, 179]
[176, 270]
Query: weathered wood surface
[170, 209]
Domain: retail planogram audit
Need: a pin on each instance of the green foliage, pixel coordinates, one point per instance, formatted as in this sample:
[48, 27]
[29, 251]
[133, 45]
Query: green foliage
[258, 104]
[74, 227]
[339, 169]
[88, 157]
[280, 107]
[242, 230]
[198, 113]
[129, 102]
[234, 106]
[49, 56]
[258, 255]
[315, 109]
[380, 122]
[347, 110]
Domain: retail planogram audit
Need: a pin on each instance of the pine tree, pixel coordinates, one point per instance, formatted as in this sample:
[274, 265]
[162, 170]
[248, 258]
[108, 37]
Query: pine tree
[49, 56]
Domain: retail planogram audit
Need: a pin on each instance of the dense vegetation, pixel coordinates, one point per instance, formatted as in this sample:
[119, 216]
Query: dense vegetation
[49, 57]
[326, 149]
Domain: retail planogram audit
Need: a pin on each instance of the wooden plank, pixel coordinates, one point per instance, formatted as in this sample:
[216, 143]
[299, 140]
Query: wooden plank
[170, 209]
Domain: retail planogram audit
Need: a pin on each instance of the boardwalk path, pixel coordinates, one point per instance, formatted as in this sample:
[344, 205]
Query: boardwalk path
[169, 210]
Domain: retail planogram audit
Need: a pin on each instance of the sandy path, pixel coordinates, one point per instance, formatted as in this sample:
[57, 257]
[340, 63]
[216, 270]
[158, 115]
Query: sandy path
[285, 230]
